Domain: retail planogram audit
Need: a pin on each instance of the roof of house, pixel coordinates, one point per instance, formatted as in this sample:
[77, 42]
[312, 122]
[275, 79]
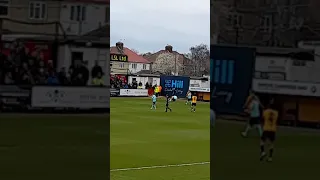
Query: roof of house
[132, 56]
[153, 57]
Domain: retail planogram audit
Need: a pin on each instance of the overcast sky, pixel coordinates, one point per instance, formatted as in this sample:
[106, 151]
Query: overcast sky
[149, 25]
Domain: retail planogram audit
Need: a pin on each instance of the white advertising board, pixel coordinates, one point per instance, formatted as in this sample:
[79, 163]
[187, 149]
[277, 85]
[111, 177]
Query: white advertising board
[286, 87]
[271, 64]
[134, 92]
[199, 89]
[73, 97]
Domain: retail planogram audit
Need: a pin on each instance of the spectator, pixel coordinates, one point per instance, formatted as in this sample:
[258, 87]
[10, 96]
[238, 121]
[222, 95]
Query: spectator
[62, 76]
[52, 79]
[71, 74]
[79, 80]
[43, 68]
[96, 69]
[41, 79]
[25, 79]
[98, 81]
[50, 66]
[83, 70]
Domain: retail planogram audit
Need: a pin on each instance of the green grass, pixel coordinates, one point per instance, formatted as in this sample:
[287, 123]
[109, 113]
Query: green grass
[76, 147]
[296, 154]
[54, 147]
[143, 137]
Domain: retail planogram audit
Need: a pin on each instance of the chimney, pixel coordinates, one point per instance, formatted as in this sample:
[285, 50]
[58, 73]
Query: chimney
[119, 46]
[168, 48]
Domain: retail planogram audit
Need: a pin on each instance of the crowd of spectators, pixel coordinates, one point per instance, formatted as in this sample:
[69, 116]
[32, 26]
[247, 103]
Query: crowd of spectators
[121, 83]
[25, 68]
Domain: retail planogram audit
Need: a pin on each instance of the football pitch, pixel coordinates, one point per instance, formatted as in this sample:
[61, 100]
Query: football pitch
[154, 145]
[54, 147]
[296, 154]
[148, 145]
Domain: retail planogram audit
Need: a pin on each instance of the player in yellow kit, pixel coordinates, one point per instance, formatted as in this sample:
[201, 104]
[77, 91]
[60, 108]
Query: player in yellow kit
[270, 117]
[193, 103]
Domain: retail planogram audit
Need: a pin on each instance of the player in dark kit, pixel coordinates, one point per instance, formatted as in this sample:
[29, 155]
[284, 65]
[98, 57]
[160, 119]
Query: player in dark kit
[270, 116]
[167, 103]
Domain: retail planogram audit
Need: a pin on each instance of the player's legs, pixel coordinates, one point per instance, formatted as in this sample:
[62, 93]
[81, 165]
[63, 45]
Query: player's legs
[188, 101]
[259, 128]
[253, 123]
[248, 127]
[271, 146]
[194, 107]
[263, 141]
[267, 139]
[153, 105]
[168, 108]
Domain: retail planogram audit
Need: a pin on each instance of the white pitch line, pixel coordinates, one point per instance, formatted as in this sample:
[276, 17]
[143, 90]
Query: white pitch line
[160, 166]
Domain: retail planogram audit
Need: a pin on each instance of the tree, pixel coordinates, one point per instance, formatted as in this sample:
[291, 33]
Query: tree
[200, 58]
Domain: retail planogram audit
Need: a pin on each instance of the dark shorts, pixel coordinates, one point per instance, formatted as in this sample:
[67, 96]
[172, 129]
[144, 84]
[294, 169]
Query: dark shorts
[268, 135]
[194, 104]
[254, 121]
[153, 103]
[173, 99]
[189, 99]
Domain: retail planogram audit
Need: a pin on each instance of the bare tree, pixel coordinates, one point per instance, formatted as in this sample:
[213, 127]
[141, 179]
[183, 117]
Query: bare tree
[188, 65]
[200, 57]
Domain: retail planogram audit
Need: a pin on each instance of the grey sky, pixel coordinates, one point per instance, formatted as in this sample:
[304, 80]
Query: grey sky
[149, 25]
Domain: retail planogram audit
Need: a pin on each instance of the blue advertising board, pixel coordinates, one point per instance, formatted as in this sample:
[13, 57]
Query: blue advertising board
[231, 77]
[175, 85]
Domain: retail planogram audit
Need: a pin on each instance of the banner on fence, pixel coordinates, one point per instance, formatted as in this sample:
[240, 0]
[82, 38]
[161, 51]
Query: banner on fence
[199, 89]
[286, 87]
[231, 77]
[114, 92]
[12, 95]
[134, 92]
[175, 85]
[70, 97]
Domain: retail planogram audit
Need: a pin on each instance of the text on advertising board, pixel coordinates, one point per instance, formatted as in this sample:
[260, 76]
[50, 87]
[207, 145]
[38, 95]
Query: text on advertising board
[175, 85]
[64, 97]
[285, 87]
[134, 92]
[119, 57]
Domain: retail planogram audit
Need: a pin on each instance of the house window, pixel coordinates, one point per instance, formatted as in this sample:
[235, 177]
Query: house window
[4, 8]
[134, 66]
[78, 13]
[144, 67]
[266, 23]
[37, 10]
[235, 20]
[121, 65]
